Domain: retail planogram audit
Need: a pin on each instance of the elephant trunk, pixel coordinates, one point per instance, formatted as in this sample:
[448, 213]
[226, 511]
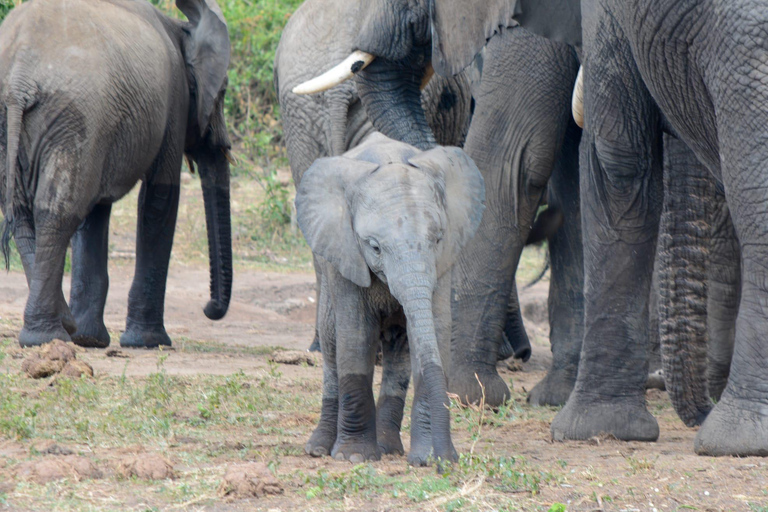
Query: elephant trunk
[390, 92]
[414, 288]
[214, 175]
[683, 261]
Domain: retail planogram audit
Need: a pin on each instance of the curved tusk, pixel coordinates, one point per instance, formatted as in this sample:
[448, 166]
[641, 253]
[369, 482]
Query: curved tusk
[428, 74]
[577, 101]
[357, 61]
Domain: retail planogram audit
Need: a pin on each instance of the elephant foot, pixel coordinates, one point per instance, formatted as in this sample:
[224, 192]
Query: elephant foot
[554, 389]
[30, 337]
[390, 442]
[735, 427]
[463, 383]
[91, 334]
[356, 451]
[421, 455]
[321, 442]
[626, 419]
[145, 337]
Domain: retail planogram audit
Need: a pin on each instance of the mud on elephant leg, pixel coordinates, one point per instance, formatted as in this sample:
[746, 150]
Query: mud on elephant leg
[621, 181]
[158, 205]
[396, 374]
[566, 288]
[90, 278]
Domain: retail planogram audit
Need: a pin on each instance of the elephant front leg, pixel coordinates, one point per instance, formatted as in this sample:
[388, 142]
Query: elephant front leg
[738, 423]
[158, 205]
[429, 443]
[357, 336]
[395, 378]
[324, 436]
[90, 278]
[621, 183]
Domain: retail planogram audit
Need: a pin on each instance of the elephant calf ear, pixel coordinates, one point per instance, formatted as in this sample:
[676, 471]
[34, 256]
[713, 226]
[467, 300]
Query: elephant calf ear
[323, 214]
[464, 196]
[207, 52]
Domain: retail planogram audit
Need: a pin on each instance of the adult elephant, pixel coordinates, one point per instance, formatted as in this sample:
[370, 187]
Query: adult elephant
[521, 131]
[89, 110]
[711, 92]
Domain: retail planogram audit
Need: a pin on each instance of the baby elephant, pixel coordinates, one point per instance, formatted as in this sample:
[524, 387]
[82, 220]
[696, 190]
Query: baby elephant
[388, 221]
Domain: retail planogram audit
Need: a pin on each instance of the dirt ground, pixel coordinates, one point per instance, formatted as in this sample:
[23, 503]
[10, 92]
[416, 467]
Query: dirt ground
[513, 465]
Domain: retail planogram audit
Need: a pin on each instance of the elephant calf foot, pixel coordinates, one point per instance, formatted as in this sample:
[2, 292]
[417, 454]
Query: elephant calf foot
[144, 337]
[554, 389]
[735, 427]
[356, 451]
[463, 383]
[626, 419]
[91, 334]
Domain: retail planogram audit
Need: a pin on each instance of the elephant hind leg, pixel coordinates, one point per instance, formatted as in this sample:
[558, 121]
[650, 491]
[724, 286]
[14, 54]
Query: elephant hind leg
[46, 315]
[90, 280]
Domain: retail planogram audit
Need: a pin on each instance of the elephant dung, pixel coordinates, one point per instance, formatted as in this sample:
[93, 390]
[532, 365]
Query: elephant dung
[50, 469]
[56, 357]
[146, 466]
[249, 480]
[294, 357]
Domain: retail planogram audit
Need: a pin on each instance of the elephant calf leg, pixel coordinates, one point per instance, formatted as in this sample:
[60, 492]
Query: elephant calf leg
[90, 279]
[394, 386]
[323, 438]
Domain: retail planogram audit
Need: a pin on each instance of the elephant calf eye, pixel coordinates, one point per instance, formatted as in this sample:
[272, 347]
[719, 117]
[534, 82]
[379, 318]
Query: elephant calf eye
[375, 246]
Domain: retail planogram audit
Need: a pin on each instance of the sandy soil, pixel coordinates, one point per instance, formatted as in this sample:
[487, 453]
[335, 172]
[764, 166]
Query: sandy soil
[277, 310]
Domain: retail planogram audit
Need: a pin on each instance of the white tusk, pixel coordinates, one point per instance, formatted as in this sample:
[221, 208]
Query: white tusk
[577, 101]
[357, 61]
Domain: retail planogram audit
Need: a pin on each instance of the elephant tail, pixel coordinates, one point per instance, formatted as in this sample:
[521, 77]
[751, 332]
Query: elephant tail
[15, 112]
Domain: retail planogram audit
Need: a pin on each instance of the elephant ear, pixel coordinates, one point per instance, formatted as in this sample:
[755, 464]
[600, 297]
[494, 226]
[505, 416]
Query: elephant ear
[207, 54]
[323, 214]
[464, 197]
[460, 28]
[558, 20]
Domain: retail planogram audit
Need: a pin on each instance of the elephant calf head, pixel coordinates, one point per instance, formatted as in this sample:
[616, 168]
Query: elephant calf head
[385, 201]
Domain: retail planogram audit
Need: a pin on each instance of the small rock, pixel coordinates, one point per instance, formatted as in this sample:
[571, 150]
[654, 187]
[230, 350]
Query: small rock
[49, 447]
[113, 352]
[50, 469]
[249, 480]
[146, 466]
[294, 357]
